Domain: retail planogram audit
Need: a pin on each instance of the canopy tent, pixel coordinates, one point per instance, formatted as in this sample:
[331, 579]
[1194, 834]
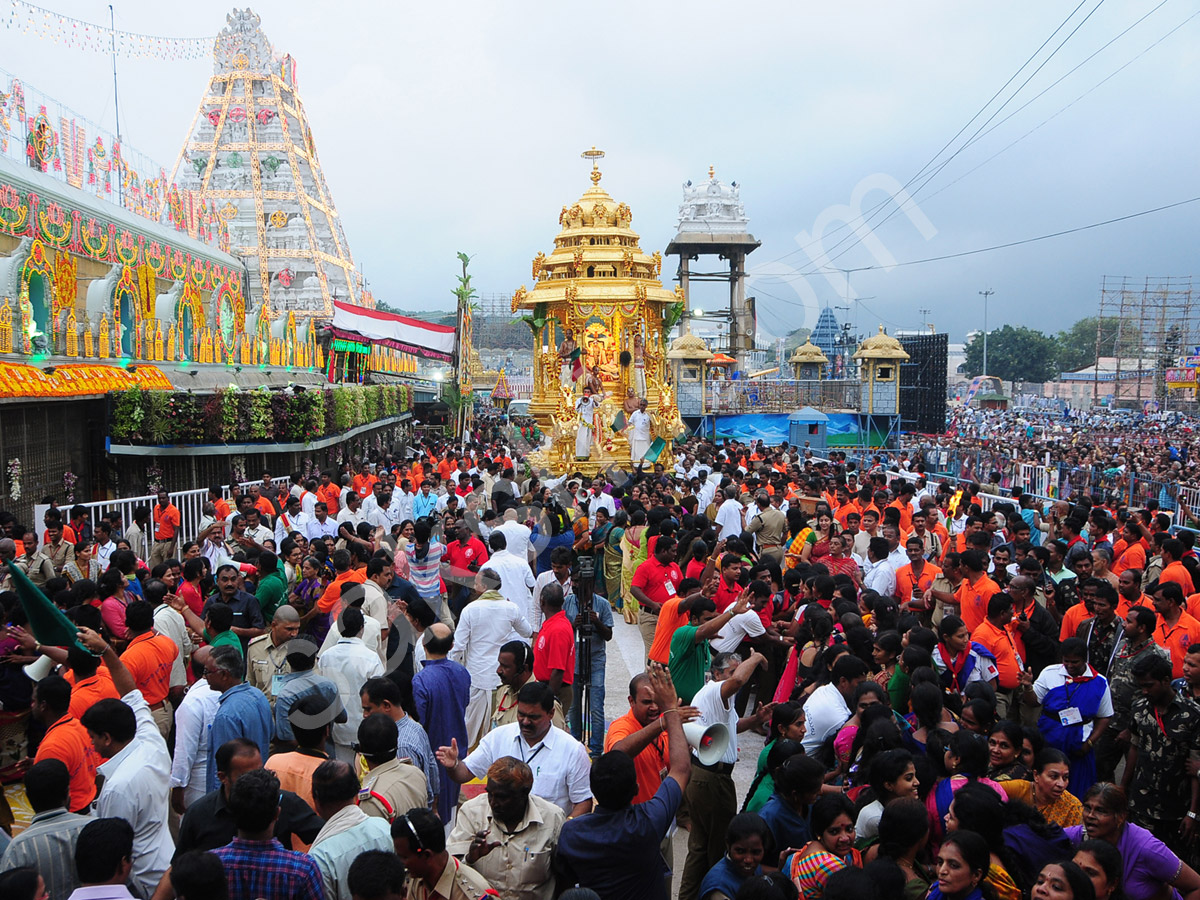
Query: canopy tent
[357, 323]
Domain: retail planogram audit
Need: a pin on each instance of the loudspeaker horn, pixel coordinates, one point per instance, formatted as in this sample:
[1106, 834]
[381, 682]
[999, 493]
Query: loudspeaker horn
[39, 668]
[709, 743]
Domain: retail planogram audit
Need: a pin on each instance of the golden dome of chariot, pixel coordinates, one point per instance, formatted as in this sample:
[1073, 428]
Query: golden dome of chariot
[881, 346]
[808, 352]
[689, 346]
[597, 258]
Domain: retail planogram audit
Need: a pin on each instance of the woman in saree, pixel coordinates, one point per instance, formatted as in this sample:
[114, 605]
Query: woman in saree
[614, 559]
[633, 554]
[798, 534]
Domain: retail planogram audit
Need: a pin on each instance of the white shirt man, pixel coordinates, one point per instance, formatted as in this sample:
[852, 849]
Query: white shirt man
[601, 500]
[729, 518]
[348, 664]
[516, 535]
[104, 554]
[286, 523]
[639, 432]
[136, 785]
[403, 502]
[353, 518]
[486, 624]
[193, 718]
[561, 768]
[739, 628]
[260, 533]
[535, 613]
[516, 579]
[714, 710]
[321, 528]
[881, 578]
[171, 623]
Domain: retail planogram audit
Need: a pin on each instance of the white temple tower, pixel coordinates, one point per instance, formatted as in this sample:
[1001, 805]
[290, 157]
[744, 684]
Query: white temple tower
[251, 153]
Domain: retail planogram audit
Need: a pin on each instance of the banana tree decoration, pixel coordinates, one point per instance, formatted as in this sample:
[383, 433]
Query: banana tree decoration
[671, 317]
[537, 321]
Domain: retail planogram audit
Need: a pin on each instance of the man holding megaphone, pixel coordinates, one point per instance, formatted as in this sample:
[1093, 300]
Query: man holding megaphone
[711, 795]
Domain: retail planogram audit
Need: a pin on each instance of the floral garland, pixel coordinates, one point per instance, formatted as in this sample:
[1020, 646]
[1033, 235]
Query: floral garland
[70, 479]
[14, 478]
[154, 478]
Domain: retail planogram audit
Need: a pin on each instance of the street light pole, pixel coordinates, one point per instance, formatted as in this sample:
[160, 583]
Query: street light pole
[985, 295]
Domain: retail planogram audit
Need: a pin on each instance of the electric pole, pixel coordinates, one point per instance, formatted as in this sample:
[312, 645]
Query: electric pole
[985, 295]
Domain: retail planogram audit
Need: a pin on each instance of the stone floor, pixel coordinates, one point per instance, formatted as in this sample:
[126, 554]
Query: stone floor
[624, 660]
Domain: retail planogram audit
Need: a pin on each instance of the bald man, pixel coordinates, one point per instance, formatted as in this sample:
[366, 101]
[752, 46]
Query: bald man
[442, 691]
[266, 655]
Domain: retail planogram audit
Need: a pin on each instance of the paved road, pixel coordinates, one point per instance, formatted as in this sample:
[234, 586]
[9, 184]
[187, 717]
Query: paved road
[624, 660]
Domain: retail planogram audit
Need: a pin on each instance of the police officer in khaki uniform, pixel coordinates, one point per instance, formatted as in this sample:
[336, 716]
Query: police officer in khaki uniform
[266, 655]
[391, 786]
[420, 841]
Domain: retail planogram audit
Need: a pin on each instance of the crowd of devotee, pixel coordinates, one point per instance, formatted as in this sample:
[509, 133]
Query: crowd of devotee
[388, 681]
[1105, 451]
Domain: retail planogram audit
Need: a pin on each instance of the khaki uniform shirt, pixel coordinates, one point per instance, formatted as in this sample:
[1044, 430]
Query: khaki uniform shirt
[263, 662]
[769, 525]
[458, 881]
[943, 585]
[504, 709]
[519, 869]
[39, 569]
[395, 784]
[59, 556]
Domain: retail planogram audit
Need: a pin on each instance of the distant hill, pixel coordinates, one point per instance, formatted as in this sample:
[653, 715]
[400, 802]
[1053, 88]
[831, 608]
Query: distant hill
[434, 316]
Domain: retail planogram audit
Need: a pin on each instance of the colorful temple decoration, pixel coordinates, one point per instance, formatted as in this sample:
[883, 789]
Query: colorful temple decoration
[251, 155]
[598, 289]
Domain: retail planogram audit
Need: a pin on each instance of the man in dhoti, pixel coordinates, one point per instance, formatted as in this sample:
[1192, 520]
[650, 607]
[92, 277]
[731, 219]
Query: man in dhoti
[587, 407]
[639, 433]
[639, 364]
[566, 363]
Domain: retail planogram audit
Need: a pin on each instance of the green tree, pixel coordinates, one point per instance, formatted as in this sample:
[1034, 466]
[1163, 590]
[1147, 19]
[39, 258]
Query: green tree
[1077, 345]
[1014, 354]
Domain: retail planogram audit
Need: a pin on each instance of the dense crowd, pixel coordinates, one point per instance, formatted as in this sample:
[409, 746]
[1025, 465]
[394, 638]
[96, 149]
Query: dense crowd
[1103, 449]
[388, 681]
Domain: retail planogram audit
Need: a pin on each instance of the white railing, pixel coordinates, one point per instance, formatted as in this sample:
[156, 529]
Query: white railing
[189, 503]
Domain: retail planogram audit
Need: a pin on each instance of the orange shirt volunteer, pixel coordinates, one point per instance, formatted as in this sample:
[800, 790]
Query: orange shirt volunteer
[650, 764]
[973, 600]
[68, 742]
[166, 522]
[909, 585]
[149, 658]
[1177, 638]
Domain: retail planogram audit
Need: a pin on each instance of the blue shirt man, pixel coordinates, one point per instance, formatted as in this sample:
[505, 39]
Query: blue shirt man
[242, 711]
[601, 634]
[441, 691]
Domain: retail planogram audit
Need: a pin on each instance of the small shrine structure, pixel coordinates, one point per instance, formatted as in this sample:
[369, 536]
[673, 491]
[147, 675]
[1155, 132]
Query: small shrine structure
[599, 289]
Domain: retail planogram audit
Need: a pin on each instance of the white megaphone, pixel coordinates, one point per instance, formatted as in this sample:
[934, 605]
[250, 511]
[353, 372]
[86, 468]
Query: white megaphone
[708, 742]
[39, 668]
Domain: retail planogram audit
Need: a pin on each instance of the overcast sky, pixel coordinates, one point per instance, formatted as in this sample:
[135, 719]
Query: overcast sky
[446, 127]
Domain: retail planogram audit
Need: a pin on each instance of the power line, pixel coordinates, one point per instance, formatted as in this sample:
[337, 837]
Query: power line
[937, 171]
[1031, 240]
[978, 113]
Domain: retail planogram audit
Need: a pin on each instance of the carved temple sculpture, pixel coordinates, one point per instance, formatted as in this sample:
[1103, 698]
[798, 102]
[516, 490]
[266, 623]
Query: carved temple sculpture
[598, 286]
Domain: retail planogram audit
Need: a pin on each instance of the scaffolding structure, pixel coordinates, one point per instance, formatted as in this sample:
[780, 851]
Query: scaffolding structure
[1143, 329]
[497, 327]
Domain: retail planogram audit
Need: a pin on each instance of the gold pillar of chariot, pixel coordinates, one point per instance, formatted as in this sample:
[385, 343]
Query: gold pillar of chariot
[598, 288]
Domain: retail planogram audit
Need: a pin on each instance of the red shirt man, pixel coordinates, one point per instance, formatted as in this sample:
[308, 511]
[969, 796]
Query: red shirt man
[555, 646]
[659, 576]
[462, 557]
